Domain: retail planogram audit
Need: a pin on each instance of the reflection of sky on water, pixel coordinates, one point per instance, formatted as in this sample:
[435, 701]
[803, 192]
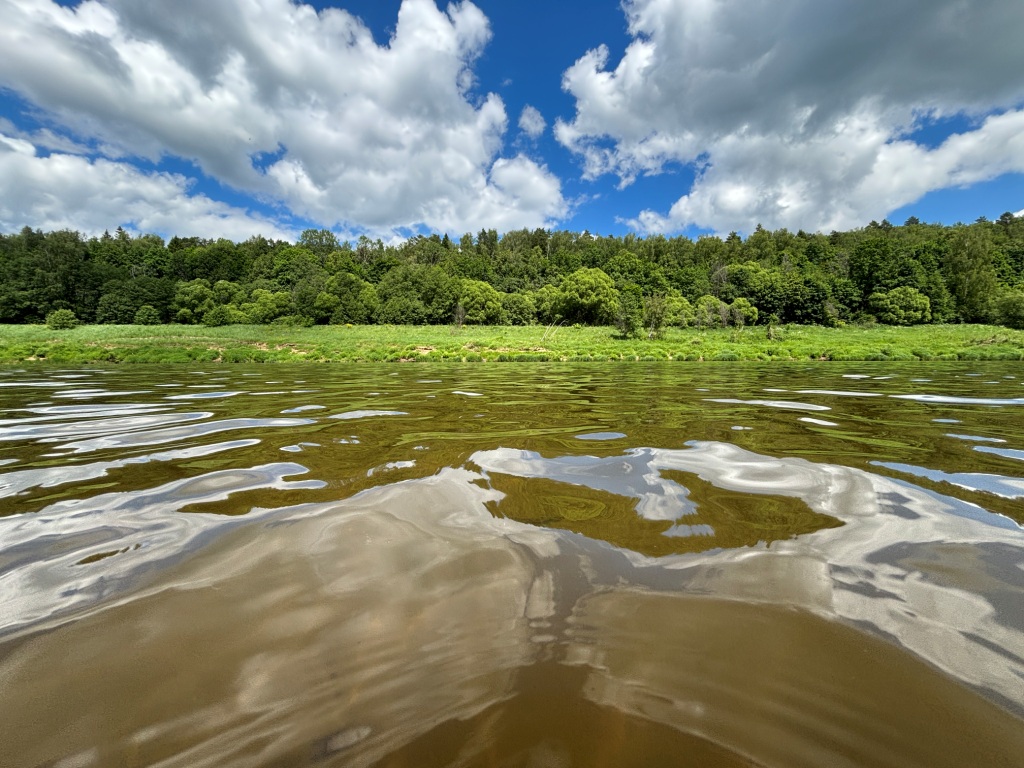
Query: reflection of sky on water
[338, 630]
[1006, 453]
[631, 475]
[929, 605]
[1007, 487]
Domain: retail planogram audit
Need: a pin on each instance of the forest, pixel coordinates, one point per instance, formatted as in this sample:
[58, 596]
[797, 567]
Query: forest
[912, 274]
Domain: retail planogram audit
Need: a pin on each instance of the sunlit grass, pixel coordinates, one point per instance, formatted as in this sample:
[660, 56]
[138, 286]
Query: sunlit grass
[250, 343]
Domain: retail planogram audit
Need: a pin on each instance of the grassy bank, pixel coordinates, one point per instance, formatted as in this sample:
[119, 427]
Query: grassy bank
[248, 343]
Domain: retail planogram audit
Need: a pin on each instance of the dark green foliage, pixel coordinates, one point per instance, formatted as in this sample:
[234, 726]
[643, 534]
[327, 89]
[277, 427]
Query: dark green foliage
[972, 273]
[629, 320]
[1010, 309]
[121, 299]
[147, 315]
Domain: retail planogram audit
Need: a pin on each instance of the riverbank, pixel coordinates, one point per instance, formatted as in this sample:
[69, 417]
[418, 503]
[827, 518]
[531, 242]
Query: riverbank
[250, 343]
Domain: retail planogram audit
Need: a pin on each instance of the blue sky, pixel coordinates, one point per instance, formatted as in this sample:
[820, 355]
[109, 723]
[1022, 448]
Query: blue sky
[392, 117]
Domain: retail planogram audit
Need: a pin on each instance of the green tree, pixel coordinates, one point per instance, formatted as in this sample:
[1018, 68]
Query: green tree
[121, 299]
[678, 311]
[900, 306]
[319, 242]
[970, 274]
[629, 320]
[265, 306]
[481, 303]
[192, 300]
[655, 314]
[742, 312]
[357, 299]
[710, 312]
[588, 296]
[547, 301]
[518, 308]
[1010, 308]
[294, 265]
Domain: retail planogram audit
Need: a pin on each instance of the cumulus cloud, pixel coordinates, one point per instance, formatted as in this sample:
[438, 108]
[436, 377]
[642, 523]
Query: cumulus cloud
[531, 122]
[65, 191]
[273, 98]
[800, 113]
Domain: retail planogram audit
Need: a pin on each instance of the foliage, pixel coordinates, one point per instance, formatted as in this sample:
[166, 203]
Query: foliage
[294, 343]
[146, 315]
[1010, 308]
[710, 312]
[61, 320]
[588, 296]
[518, 308]
[630, 320]
[742, 312]
[192, 301]
[967, 273]
[679, 311]
[481, 303]
[900, 306]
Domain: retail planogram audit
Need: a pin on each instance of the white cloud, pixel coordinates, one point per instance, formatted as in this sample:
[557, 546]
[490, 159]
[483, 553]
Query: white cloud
[64, 191]
[531, 122]
[800, 113]
[363, 135]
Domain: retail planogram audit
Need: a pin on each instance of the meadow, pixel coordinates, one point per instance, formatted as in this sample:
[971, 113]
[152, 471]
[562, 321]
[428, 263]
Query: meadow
[535, 343]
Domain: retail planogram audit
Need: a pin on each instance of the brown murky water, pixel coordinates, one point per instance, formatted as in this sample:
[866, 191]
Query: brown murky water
[516, 565]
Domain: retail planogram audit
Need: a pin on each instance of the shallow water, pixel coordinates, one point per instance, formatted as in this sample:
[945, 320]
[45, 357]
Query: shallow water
[504, 565]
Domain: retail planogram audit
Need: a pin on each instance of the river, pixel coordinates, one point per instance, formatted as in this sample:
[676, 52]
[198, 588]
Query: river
[540, 565]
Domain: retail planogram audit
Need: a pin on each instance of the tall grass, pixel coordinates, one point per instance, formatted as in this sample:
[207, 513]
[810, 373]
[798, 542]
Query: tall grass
[332, 344]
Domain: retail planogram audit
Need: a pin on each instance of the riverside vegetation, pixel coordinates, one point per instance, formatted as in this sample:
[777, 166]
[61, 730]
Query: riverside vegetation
[389, 343]
[665, 297]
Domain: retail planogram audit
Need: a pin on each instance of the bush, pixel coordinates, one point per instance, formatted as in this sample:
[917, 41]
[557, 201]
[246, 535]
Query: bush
[225, 315]
[481, 303]
[519, 308]
[1010, 309]
[629, 319]
[217, 316]
[147, 315]
[901, 306]
[743, 312]
[295, 321]
[61, 320]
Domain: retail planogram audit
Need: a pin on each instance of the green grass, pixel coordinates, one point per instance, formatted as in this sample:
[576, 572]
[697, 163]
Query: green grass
[250, 343]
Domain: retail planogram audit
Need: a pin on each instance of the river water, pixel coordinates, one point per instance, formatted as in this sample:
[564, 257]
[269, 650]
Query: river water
[512, 565]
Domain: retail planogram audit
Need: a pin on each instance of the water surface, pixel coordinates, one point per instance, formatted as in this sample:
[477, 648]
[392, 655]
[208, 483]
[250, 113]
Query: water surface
[503, 565]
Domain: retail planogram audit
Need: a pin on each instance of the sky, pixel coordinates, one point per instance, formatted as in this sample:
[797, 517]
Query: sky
[391, 118]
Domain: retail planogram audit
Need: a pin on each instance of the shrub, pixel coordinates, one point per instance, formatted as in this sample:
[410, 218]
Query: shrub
[629, 319]
[295, 321]
[147, 315]
[655, 313]
[61, 320]
[743, 312]
[901, 306]
[519, 308]
[1010, 308]
[481, 303]
[217, 316]
[226, 315]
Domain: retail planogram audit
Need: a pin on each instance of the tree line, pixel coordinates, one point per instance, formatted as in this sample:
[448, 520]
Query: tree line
[901, 275]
